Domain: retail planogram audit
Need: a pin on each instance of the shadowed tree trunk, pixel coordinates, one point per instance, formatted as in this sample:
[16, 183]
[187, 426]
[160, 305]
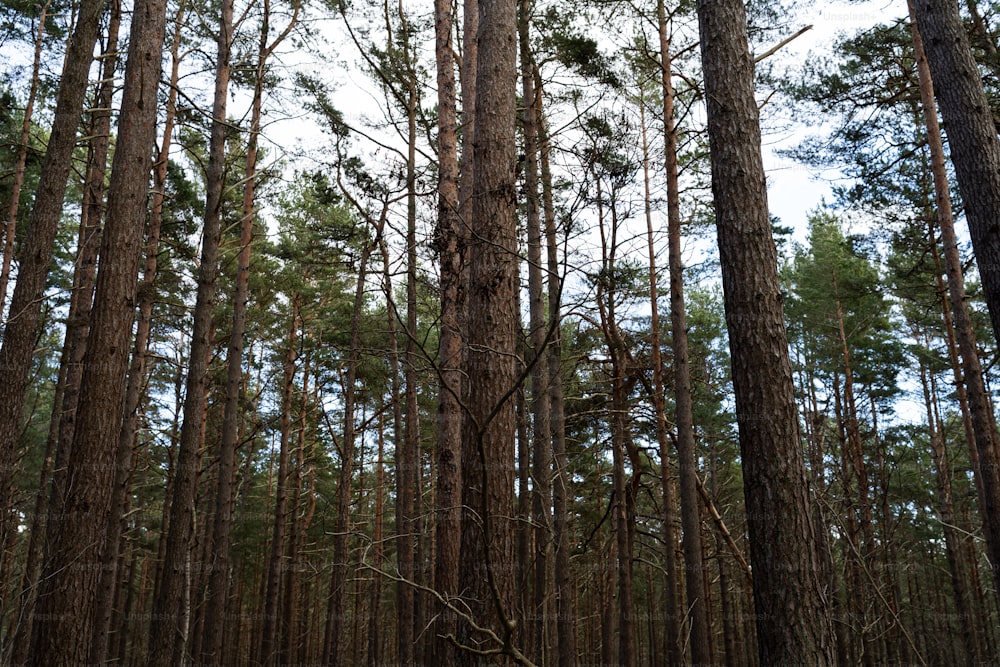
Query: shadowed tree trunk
[793, 621]
[169, 635]
[493, 323]
[697, 593]
[449, 238]
[987, 475]
[20, 163]
[21, 327]
[62, 630]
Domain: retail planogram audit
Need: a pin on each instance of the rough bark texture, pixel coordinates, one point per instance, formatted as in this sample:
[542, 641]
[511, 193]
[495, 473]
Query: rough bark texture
[493, 322]
[450, 245]
[21, 327]
[793, 621]
[972, 137]
[987, 474]
[540, 614]
[169, 634]
[62, 628]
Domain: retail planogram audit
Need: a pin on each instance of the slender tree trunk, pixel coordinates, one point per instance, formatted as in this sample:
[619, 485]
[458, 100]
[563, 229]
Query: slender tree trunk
[793, 621]
[375, 654]
[935, 23]
[20, 163]
[697, 595]
[565, 585]
[62, 629]
[408, 459]
[168, 635]
[333, 641]
[946, 514]
[975, 152]
[541, 438]
[277, 556]
[21, 326]
[674, 651]
[450, 242]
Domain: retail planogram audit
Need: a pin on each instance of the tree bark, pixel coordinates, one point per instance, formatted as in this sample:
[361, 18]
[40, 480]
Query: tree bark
[20, 163]
[987, 443]
[793, 621]
[450, 243]
[168, 635]
[975, 147]
[493, 323]
[697, 595]
[565, 585]
[62, 629]
[21, 326]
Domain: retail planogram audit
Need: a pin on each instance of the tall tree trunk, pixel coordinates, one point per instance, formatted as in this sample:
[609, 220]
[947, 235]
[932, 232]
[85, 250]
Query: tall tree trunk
[697, 595]
[449, 238]
[278, 550]
[541, 438]
[218, 583]
[62, 629]
[675, 653]
[168, 635]
[565, 585]
[137, 367]
[934, 27]
[975, 152]
[793, 621]
[21, 327]
[409, 455]
[333, 640]
[20, 163]
[81, 300]
[946, 514]
[493, 323]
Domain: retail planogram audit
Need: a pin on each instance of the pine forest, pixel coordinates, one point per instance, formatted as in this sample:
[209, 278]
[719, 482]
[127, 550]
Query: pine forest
[499, 332]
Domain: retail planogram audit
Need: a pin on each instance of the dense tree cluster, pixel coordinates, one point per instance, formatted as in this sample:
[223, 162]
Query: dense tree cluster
[516, 366]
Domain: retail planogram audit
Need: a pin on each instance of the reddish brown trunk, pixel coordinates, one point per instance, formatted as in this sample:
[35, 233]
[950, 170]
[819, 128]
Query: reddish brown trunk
[63, 626]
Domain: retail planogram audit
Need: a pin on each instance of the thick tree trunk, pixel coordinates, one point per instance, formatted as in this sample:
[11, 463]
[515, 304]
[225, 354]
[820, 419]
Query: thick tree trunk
[63, 625]
[21, 328]
[975, 148]
[168, 635]
[793, 621]
[493, 323]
